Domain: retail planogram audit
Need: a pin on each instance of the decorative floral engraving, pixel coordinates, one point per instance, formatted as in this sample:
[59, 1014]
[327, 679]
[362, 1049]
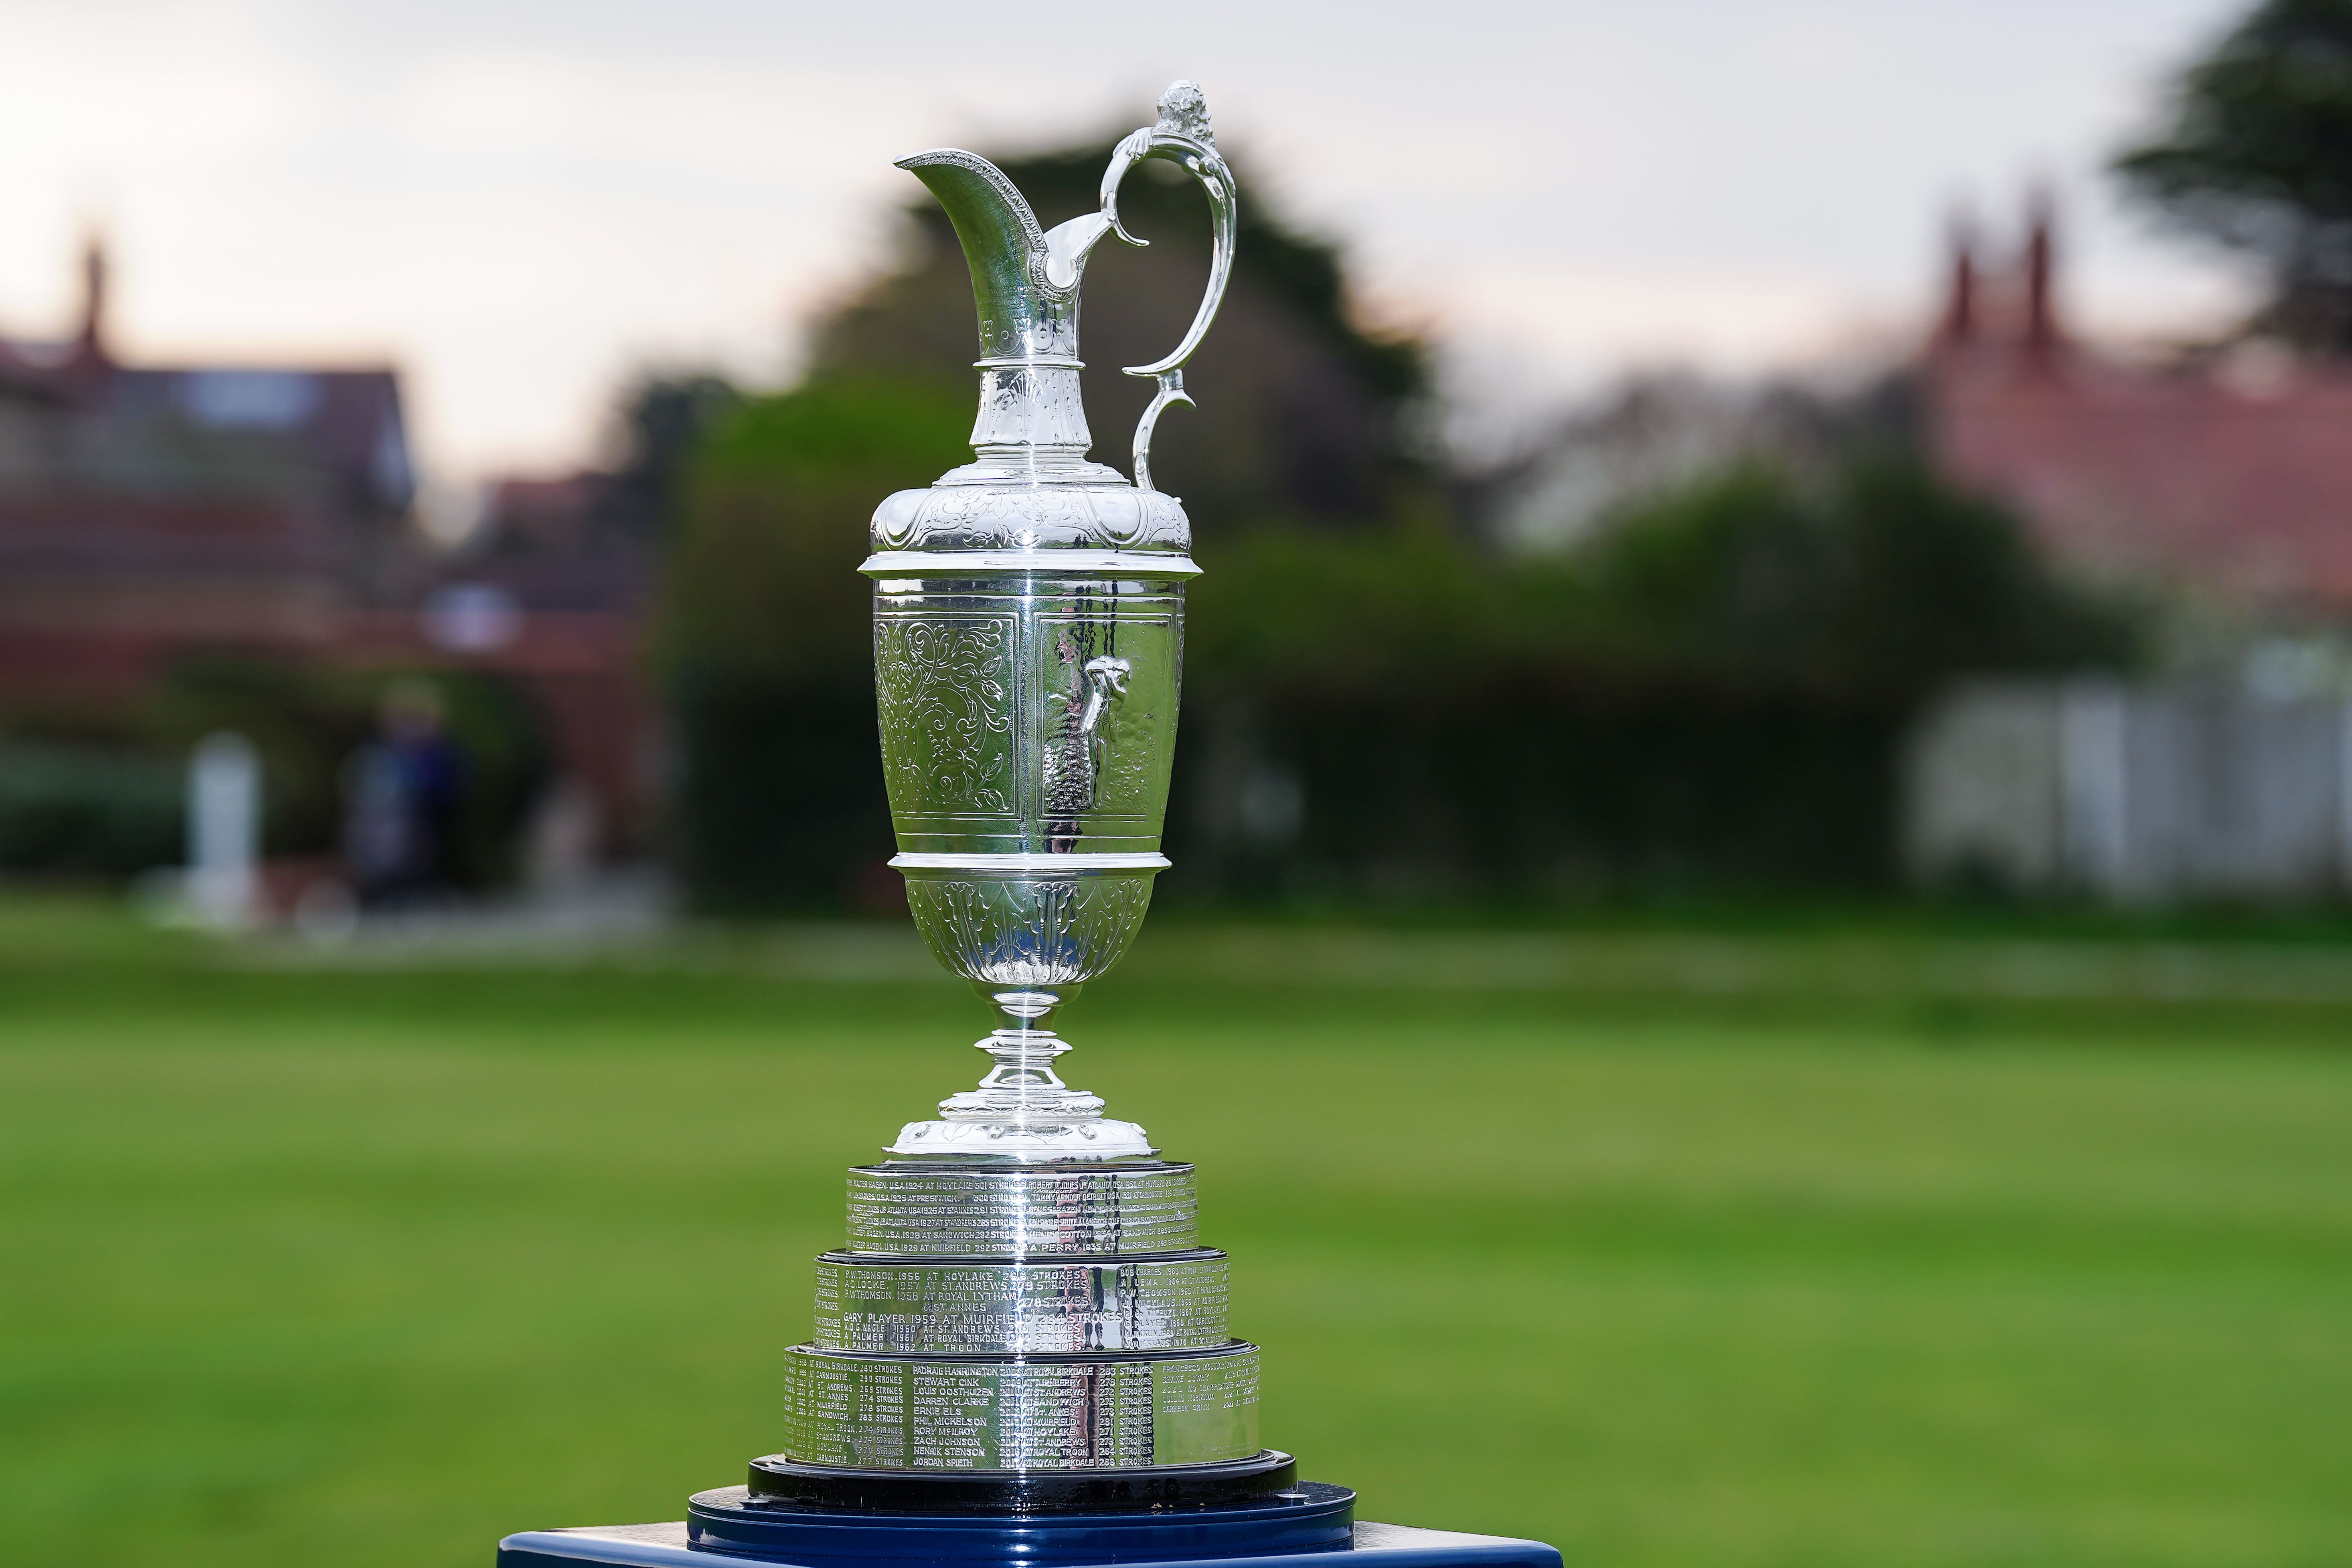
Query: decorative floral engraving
[1031, 517]
[1134, 776]
[1048, 928]
[1159, 519]
[1027, 405]
[944, 689]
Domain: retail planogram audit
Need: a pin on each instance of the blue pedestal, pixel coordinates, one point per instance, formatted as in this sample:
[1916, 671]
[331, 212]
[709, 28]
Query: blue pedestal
[1312, 1521]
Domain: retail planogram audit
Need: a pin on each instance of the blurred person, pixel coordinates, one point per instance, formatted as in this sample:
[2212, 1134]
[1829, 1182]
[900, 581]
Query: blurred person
[402, 791]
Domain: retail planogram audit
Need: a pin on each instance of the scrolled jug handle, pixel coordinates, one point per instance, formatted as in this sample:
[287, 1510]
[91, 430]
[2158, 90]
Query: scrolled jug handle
[1182, 136]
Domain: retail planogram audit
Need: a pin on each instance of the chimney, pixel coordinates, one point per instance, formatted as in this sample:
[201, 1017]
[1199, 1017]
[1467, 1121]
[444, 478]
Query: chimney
[92, 341]
[2043, 339]
[1958, 324]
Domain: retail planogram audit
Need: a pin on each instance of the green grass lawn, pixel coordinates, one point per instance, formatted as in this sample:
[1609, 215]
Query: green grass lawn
[1668, 1248]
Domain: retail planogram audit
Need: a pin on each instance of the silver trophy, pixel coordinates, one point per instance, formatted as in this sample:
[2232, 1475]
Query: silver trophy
[1023, 1293]
[1028, 636]
[1021, 1354]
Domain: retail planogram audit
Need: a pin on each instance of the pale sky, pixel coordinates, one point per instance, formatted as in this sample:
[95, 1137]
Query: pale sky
[523, 203]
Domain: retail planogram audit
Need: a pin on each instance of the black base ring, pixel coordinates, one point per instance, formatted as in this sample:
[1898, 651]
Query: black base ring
[778, 1481]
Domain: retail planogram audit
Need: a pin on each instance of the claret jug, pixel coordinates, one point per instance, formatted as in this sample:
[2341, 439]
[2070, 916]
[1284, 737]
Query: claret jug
[1021, 1353]
[1028, 642]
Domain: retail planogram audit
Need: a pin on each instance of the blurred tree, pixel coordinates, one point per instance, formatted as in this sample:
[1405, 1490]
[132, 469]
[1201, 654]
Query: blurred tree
[2258, 155]
[1712, 692]
[1878, 577]
[663, 421]
[1714, 688]
[1884, 580]
[1304, 412]
[78, 810]
[1398, 605]
[761, 633]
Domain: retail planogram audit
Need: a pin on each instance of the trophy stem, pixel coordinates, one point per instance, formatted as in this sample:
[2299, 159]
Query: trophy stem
[1023, 1110]
[1023, 1086]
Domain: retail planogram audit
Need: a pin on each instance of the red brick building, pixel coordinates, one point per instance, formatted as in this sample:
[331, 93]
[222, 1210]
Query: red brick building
[2230, 475]
[150, 513]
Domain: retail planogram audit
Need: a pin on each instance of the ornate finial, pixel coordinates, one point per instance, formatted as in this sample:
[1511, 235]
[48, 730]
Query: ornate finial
[1184, 111]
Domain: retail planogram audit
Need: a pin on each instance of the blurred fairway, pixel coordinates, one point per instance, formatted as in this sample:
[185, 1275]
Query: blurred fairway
[1847, 1249]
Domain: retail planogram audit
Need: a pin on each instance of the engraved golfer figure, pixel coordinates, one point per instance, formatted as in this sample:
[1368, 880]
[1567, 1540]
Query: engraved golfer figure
[1074, 751]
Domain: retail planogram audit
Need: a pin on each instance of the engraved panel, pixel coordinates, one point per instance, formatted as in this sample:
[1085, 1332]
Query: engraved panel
[1159, 1304]
[1105, 680]
[944, 689]
[927, 1211]
[1201, 1407]
[890, 1414]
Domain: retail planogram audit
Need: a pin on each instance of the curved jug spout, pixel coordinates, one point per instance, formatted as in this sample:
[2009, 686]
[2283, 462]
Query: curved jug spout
[1025, 284]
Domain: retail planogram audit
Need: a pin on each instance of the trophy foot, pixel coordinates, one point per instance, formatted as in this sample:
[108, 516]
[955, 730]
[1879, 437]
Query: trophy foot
[1023, 1110]
[1095, 1140]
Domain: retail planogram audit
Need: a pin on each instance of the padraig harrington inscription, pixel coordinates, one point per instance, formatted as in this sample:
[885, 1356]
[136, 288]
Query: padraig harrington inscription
[1023, 1289]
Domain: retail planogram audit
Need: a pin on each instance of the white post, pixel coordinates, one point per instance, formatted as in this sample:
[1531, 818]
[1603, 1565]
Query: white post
[2344, 796]
[223, 829]
[2094, 785]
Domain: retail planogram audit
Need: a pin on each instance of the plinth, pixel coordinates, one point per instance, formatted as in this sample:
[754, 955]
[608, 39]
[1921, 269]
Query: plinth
[978, 1538]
